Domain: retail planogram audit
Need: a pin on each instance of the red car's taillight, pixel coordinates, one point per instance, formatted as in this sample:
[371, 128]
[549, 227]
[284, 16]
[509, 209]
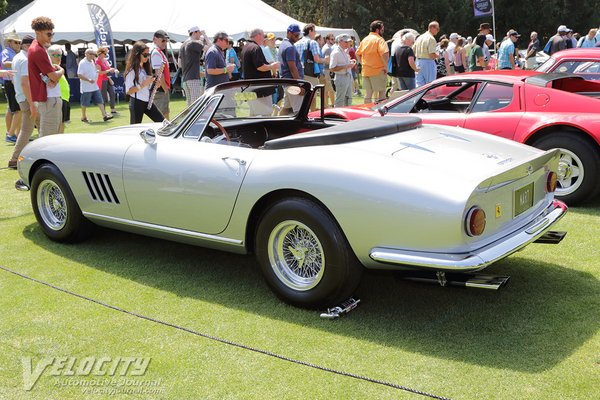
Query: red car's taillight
[551, 182]
[475, 221]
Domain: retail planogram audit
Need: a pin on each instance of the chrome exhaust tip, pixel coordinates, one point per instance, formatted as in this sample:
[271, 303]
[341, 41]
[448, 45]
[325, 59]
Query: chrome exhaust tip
[21, 186]
[468, 280]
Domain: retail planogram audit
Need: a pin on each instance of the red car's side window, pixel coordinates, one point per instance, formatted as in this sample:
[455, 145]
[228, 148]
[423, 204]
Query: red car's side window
[493, 97]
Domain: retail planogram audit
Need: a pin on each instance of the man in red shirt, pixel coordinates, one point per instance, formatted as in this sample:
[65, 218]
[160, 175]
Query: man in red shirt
[43, 77]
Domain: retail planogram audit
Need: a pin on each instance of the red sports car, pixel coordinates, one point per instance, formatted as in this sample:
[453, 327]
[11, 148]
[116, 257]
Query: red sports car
[543, 110]
[584, 62]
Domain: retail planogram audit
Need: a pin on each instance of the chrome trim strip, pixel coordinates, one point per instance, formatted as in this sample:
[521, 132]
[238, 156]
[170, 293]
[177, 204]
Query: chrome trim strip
[160, 228]
[475, 260]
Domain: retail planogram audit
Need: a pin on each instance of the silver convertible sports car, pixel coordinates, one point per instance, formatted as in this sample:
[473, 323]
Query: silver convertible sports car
[244, 170]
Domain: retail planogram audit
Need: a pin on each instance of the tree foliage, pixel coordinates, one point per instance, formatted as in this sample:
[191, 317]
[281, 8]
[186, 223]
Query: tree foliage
[9, 7]
[453, 15]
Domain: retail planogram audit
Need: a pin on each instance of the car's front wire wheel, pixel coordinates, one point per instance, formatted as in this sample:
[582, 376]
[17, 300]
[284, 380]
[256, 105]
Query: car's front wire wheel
[55, 207]
[304, 256]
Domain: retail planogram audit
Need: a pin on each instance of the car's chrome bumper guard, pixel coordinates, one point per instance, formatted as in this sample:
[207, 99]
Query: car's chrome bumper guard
[21, 186]
[475, 260]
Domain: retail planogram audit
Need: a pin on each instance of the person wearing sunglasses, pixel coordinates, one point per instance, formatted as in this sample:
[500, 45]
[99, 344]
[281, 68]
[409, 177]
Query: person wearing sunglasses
[23, 96]
[90, 93]
[160, 62]
[44, 77]
[217, 68]
[12, 43]
[138, 80]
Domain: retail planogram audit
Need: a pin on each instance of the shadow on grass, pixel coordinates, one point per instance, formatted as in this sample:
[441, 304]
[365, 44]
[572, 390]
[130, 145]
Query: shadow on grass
[590, 208]
[543, 315]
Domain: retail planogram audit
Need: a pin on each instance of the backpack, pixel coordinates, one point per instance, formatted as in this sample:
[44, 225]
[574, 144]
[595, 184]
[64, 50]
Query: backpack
[548, 46]
[309, 62]
[393, 67]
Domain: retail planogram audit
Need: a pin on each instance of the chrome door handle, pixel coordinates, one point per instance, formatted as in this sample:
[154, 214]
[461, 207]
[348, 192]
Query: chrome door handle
[239, 160]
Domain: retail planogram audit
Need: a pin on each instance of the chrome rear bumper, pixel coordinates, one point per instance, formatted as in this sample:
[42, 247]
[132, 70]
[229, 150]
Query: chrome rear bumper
[476, 260]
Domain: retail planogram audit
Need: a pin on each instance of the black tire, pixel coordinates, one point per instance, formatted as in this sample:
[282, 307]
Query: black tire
[579, 166]
[55, 207]
[328, 269]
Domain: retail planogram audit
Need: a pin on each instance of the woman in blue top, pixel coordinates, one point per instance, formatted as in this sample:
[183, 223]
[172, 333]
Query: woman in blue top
[232, 58]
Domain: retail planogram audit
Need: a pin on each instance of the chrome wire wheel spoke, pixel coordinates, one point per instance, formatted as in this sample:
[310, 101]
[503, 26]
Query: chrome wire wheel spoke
[296, 255]
[52, 205]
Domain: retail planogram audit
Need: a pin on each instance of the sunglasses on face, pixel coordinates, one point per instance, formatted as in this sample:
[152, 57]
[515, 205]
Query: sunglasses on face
[146, 55]
[50, 34]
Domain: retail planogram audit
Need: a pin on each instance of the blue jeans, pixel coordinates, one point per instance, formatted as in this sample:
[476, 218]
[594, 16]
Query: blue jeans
[427, 73]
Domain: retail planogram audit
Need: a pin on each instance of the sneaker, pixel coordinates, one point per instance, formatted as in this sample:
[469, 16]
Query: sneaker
[10, 139]
[114, 112]
[107, 117]
[12, 164]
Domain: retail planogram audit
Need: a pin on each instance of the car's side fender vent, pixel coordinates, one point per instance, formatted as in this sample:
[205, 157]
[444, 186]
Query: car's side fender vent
[100, 187]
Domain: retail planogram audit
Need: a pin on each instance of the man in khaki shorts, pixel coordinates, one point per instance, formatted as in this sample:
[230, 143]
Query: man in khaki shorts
[374, 54]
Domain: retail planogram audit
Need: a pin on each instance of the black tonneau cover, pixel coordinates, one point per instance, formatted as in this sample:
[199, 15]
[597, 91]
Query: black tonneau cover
[360, 129]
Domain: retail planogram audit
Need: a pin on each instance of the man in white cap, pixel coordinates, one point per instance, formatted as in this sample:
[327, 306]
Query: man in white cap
[189, 61]
[450, 51]
[489, 44]
[558, 42]
[341, 64]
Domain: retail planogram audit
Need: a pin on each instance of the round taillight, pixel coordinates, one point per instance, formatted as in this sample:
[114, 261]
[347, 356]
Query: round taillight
[475, 221]
[551, 182]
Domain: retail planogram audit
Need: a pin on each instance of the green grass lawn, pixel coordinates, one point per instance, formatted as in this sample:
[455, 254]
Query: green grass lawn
[535, 339]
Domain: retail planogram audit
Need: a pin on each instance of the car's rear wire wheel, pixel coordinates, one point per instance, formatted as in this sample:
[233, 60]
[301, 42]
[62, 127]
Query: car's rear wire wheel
[304, 255]
[296, 254]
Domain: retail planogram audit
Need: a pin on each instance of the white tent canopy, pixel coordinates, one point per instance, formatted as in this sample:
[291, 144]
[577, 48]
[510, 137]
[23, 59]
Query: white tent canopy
[133, 20]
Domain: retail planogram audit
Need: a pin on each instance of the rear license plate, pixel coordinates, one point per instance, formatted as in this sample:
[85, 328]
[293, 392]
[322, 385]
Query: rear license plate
[523, 199]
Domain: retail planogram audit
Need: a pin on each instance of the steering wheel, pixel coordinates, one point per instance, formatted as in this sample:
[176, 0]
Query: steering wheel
[222, 129]
[421, 105]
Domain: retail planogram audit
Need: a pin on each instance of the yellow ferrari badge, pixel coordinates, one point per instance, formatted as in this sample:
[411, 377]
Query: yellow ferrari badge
[498, 210]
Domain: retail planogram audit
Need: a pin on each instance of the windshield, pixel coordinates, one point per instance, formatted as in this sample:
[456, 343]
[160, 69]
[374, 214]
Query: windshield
[171, 126]
[249, 99]
[546, 65]
[260, 100]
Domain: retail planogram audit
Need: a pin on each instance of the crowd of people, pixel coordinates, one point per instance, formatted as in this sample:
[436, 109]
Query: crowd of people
[37, 89]
[35, 72]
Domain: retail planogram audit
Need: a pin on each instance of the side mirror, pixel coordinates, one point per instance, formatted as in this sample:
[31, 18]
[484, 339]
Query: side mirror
[382, 110]
[148, 136]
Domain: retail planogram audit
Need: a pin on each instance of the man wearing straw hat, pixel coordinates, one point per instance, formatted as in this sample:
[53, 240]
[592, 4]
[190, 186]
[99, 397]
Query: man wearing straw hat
[12, 43]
